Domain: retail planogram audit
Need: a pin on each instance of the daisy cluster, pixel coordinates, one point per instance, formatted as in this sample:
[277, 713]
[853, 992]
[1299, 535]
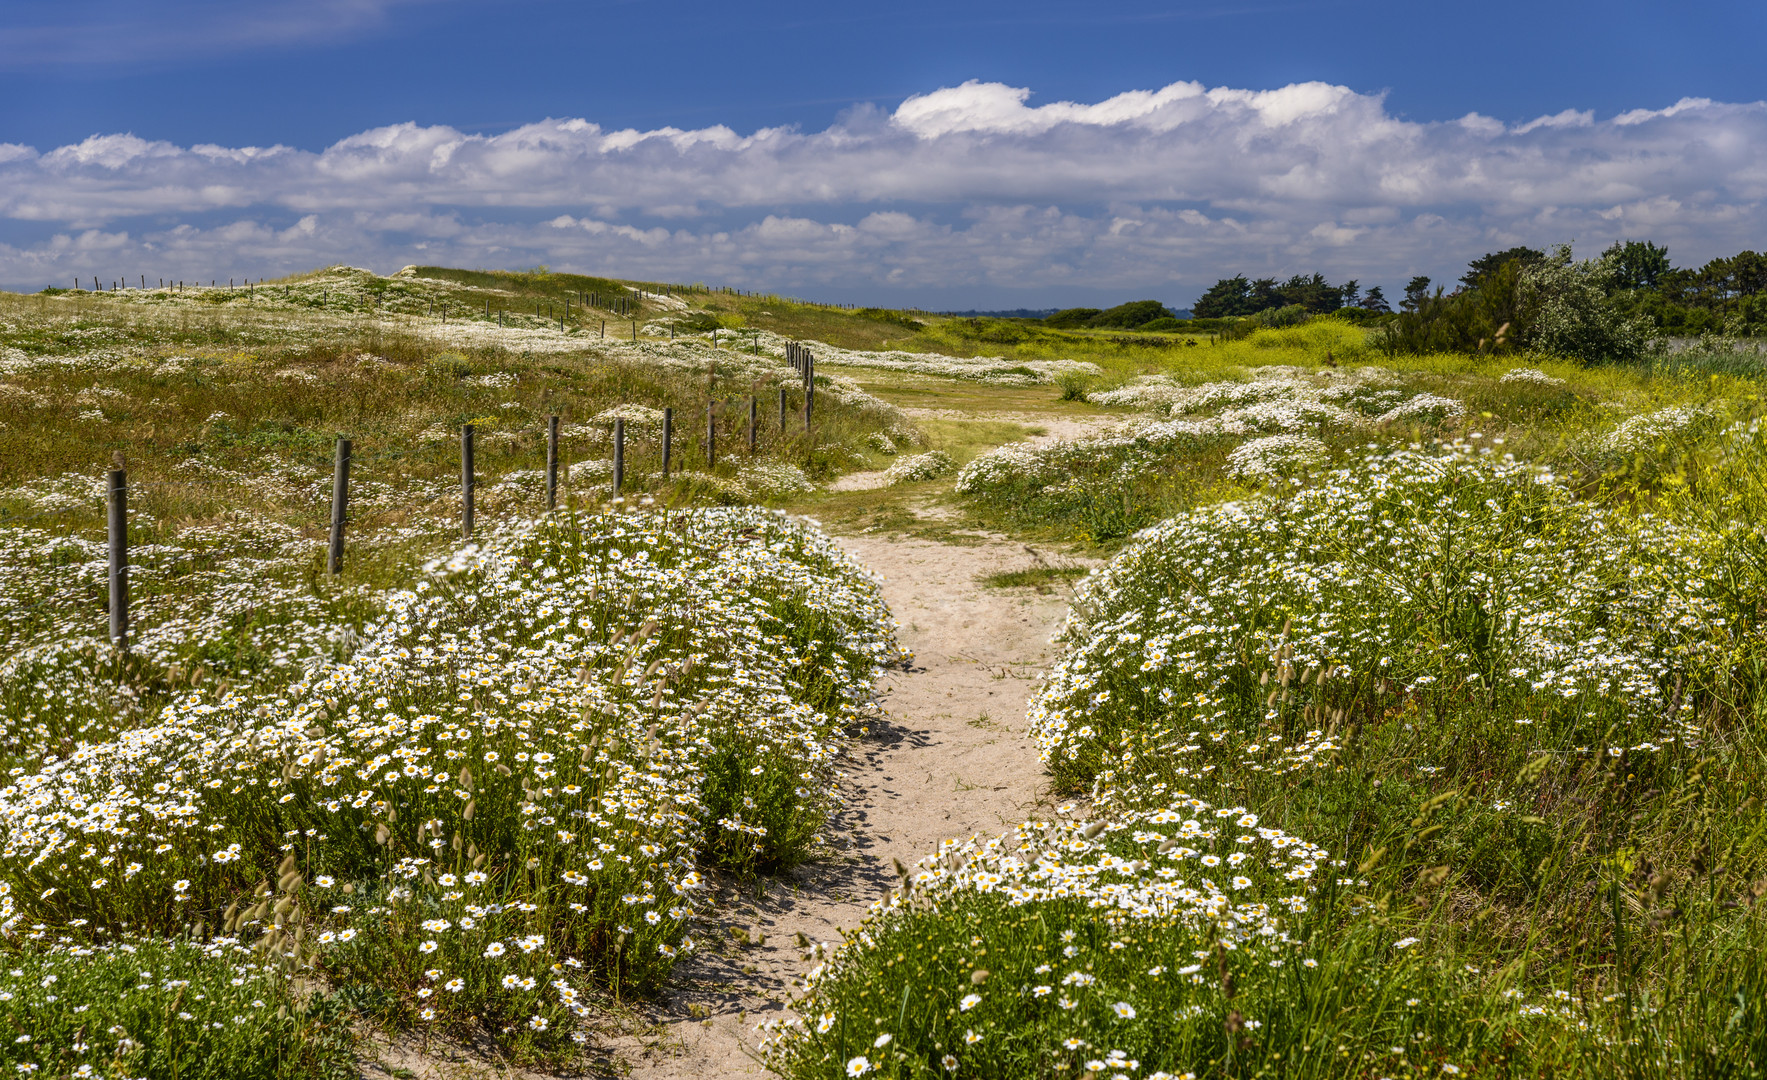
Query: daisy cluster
[1048, 468]
[522, 770]
[260, 622]
[1273, 419]
[1646, 431]
[1273, 398]
[1107, 940]
[1411, 576]
[917, 467]
[150, 1008]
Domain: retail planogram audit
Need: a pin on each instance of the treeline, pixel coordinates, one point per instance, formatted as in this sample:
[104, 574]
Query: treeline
[1240, 296]
[1725, 296]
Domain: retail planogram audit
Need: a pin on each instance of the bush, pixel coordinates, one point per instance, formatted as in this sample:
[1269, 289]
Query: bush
[1073, 384]
[928, 466]
[1073, 318]
[1130, 316]
[1555, 306]
[1276, 318]
[894, 318]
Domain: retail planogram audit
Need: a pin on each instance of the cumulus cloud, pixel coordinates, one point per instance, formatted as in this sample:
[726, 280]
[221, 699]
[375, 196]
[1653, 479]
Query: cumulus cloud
[956, 189]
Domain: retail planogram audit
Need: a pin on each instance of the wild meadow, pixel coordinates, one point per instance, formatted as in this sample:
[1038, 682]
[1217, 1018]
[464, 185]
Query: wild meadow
[1414, 728]
[466, 787]
[1411, 725]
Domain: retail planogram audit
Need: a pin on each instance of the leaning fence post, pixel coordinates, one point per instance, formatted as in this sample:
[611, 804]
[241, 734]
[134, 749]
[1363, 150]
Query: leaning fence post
[340, 504]
[619, 454]
[466, 481]
[119, 562]
[551, 463]
[668, 433]
[752, 424]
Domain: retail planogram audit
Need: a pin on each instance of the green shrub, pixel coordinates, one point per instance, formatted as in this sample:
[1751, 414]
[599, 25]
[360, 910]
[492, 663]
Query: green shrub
[162, 1010]
[1073, 384]
[1073, 318]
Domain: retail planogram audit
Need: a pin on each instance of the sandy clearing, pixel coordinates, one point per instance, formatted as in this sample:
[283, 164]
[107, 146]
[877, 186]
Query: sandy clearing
[951, 760]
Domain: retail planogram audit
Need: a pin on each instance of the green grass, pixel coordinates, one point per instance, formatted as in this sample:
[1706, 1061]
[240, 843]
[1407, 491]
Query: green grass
[1524, 731]
[148, 1007]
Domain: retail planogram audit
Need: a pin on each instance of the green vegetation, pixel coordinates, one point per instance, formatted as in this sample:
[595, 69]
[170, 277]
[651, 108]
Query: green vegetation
[1427, 766]
[463, 791]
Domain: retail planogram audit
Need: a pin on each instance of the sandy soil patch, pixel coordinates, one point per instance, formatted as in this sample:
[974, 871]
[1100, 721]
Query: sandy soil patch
[951, 760]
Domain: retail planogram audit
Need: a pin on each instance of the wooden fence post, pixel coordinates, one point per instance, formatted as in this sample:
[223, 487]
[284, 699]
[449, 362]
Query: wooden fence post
[619, 454]
[752, 424]
[466, 482]
[119, 563]
[551, 463]
[711, 435]
[668, 433]
[340, 504]
[782, 410]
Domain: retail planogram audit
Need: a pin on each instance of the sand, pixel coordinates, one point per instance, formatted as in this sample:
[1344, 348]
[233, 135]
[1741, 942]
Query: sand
[951, 760]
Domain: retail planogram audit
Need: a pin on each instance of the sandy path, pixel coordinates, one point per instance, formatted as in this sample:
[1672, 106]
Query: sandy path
[951, 760]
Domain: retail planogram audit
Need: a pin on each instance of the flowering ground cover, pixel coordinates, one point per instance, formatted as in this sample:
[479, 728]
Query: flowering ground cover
[1429, 765]
[462, 788]
[504, 800]
[1283, 403]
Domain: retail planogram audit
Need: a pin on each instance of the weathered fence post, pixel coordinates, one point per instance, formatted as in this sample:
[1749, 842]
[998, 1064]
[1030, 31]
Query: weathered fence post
[619, 454]
[551, 463]
[340, 504]
[711, 435]
[119, 563]
[782, 410]
[752, 424]
[668, 434]
[809, 389]
[466, 481]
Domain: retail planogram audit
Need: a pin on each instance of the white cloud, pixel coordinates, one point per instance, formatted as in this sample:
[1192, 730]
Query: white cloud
[958, 189]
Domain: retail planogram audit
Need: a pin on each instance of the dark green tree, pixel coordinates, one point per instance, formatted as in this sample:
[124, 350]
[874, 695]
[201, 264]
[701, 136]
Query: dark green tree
[1484, 266]
[1417, 290]
[1376, 300]
[1311, 293]
[1638, 264]
[1225, 298]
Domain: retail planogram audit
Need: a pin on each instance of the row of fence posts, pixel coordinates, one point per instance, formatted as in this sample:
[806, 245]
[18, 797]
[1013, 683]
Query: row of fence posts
[118, 488]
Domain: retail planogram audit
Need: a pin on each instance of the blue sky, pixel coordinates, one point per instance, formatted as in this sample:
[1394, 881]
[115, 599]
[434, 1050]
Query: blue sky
[915, 166]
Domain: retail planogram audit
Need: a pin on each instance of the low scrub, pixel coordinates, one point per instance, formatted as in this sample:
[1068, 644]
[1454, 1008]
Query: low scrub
[505, 799]
[1426, 767]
